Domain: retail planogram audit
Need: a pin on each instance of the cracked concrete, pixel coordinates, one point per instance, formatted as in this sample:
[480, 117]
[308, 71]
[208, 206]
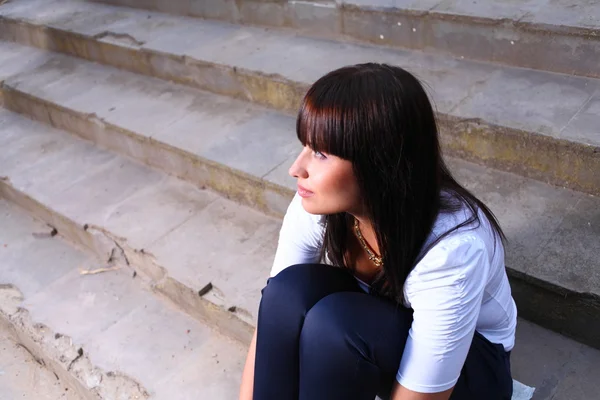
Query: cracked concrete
[58, 353]
[119, 38]
[104, 334]
[112, 229]
[107, 334]
[22, 376]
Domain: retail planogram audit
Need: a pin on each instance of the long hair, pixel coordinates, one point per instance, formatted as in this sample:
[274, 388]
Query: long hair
[379, 117]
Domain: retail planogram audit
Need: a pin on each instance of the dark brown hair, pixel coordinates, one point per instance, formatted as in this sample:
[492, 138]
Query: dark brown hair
[379, 117]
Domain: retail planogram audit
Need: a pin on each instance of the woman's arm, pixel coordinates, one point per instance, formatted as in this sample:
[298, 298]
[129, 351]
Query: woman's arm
[401, 393]
[247, 385]
[445, 292]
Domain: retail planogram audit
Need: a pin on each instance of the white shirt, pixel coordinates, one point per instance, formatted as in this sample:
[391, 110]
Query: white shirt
[459, 286]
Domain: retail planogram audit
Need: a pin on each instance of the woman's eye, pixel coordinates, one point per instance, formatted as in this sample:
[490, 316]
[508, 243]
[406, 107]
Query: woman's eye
[319, 155]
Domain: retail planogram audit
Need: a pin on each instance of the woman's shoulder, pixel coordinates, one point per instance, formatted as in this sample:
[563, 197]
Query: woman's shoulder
[462, 220]
[459, 240]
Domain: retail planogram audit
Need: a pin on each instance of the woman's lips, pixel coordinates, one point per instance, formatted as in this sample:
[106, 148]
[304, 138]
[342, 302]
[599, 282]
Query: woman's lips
[303, 192]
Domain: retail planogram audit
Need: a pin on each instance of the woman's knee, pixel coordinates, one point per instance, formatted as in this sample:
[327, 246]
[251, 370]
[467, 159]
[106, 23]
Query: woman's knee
[357, 324]
[331, 324]
[289, 285]
[301, 286]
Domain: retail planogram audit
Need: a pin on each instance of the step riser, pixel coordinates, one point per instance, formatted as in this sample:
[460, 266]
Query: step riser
[102, 244]
[550, 160]
[264, 196]
[275, 92]
[554, 161]
[571, 314]
[513, 43]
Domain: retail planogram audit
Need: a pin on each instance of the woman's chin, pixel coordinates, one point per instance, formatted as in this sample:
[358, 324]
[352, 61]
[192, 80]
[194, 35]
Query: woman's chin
[310, 207]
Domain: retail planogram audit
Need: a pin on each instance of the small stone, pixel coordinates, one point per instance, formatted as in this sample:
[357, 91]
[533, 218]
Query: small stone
[414, 29]
[205, 289]
[399, 23]
[380, 36]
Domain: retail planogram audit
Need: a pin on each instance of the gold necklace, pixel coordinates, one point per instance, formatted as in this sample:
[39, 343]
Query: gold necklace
[375, 259]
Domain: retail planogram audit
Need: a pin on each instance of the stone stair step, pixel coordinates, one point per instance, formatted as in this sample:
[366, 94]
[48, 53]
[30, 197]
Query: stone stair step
[557, 367]
[178, 236]
[207, 139]
[106, 333]
[559, 36]
[142, 347]
[549, 228]
[538, 124]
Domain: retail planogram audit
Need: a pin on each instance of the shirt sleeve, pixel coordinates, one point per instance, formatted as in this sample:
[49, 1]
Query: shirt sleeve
[300, 237]
[445, 290]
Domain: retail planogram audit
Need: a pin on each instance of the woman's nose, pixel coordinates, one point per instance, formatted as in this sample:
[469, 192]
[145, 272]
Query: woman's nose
[297, 170]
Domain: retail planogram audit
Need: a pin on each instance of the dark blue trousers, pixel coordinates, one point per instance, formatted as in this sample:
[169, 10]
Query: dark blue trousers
[320, 337]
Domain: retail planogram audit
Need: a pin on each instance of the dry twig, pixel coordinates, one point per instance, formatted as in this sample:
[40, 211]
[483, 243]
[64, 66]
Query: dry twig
[96, 271]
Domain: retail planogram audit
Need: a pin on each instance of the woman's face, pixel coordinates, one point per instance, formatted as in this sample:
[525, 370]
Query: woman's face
[326, 183]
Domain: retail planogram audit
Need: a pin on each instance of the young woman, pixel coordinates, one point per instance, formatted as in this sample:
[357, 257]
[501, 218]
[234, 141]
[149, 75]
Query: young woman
[389, 277]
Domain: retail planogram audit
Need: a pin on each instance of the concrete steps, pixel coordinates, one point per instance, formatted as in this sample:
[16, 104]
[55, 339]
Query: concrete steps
[207, 139]
[514, 33]
[242, 151]
[178, 236]
[182, 185]
[106, 335]
[535, 123]
[110, 335]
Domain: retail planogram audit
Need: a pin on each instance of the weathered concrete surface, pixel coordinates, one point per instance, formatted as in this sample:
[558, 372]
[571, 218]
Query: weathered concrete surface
[534, 123]
[23, 377]
[177, 235]
[104, 332]
[122, 328]
[195, 135]
[108, 199]
[243, 151]
[557, 367]
[552, 252]
[514, 33]
[228, 245]
[36, 261]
